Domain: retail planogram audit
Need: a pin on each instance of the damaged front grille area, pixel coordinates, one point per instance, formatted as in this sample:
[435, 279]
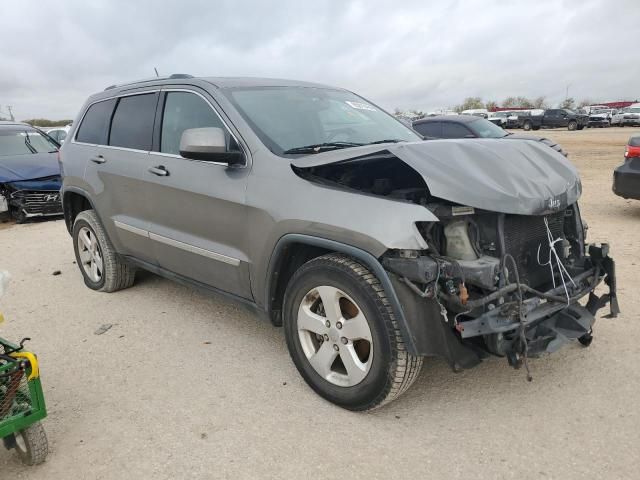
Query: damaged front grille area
[36, 203]
[509, 284]
[525, 238]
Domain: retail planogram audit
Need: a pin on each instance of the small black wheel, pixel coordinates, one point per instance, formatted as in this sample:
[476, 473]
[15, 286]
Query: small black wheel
[343, 336]
[586, 339]
[572, 125]
[31, 444]
[100, 265]
[526, 125]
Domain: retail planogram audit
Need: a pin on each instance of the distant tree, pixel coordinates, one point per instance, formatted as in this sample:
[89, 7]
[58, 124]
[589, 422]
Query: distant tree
[471, 103]
[540, 102]
[584, 102]
[491, 105]
[523, 102]
[519, 102]
[417, 114]
[43, 122]
[397, 112]
[509, 102]
[568, 103]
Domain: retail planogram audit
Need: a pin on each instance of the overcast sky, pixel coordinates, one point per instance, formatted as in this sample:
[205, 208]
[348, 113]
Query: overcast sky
[407, 54]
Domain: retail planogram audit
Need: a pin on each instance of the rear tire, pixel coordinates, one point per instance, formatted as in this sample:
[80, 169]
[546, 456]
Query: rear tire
[386, 369]
[526, 125]
[101, 267]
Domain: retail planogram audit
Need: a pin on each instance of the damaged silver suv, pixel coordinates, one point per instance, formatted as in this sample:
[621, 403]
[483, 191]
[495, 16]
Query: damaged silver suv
[372, 248]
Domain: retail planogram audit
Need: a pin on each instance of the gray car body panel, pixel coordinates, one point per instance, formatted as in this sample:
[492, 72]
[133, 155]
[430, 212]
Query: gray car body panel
[517, 177]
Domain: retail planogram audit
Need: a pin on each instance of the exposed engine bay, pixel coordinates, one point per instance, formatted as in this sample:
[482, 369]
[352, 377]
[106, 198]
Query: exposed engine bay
[505, 280]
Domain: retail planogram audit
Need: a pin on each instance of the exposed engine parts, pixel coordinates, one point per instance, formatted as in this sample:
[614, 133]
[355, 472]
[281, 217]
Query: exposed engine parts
[508, 281]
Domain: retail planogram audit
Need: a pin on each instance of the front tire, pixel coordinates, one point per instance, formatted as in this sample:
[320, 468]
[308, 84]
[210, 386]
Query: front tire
[526, 126]
[572, 126]
[343, 336]
[101, 267]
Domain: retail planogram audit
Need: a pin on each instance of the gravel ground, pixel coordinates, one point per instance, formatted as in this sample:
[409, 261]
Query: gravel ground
[189, 386]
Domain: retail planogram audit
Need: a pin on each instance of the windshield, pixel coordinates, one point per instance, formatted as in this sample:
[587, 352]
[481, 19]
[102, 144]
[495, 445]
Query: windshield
[24, 141]
[486, 129]
[288, 119]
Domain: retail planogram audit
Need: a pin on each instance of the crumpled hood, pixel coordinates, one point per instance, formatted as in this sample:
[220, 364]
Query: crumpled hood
[27, 167]
[517, 177]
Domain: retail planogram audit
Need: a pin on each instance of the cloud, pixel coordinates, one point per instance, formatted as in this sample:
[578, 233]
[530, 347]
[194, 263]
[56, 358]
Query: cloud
[411, 54]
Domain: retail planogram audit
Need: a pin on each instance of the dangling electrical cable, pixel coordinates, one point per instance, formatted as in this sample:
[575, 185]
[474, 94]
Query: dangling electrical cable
[562, 271]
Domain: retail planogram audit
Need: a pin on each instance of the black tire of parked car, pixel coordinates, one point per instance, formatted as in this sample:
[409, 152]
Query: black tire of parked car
[526, 125]
[116, 274]
[573, 125]
[392, 371]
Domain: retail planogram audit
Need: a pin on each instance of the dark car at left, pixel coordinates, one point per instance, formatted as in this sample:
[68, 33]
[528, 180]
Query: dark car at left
[29, 172]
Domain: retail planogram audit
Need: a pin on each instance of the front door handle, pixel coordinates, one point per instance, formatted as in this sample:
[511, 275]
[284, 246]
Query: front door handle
[160, 170]
[98, 159]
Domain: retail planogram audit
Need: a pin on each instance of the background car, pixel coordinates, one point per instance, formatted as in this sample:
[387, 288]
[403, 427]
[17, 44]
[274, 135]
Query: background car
[29, 172]
[632, 116]
[465, 126]
[499, 118]
[626, 178]
[59, 134]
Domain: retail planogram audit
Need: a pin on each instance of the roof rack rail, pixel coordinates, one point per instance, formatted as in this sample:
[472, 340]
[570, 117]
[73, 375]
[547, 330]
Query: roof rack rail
[173, 76]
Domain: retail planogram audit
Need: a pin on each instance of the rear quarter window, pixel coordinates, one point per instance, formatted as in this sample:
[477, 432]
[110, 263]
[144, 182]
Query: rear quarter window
[95, 124]
[132, 124]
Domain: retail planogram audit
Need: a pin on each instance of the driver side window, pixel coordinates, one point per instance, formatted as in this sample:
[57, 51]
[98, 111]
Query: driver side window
[182, 111]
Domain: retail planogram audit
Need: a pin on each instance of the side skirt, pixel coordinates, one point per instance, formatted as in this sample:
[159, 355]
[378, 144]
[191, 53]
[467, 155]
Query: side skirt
[201, 287]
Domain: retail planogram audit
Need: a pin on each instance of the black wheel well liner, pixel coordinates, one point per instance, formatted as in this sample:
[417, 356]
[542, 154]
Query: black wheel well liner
[74, 201]
[293, 250]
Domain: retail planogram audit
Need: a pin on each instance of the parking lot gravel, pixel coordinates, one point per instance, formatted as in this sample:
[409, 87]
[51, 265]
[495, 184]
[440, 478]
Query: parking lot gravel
[183, 385]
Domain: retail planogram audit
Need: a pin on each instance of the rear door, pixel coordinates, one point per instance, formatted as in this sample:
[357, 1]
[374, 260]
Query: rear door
[550, 118]
[198, 217]
[116, 161]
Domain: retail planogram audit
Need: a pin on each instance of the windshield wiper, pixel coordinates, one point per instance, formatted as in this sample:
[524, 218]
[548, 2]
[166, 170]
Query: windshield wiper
[27, 142]
[319, 147]
[388, 140]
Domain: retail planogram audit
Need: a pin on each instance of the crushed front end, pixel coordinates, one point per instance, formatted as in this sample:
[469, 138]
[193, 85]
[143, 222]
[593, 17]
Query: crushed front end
[503, 284]
[31, 198]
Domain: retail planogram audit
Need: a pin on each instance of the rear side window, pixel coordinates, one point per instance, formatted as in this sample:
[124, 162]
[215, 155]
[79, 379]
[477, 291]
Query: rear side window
[95, 124]
[132, 124]
[453, 130]
[430, 129]
[183, 110]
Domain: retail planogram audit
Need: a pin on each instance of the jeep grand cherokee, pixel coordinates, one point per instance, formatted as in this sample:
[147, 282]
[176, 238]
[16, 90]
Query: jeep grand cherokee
[373, 248]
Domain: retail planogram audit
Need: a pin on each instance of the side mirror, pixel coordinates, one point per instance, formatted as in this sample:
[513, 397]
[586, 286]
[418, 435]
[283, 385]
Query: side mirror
[210, 145]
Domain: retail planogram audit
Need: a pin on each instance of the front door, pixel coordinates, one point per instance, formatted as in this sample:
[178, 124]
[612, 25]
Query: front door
[198, 217]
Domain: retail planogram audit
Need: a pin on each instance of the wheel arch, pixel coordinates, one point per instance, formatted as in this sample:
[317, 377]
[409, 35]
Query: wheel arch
[74, 201]
[293, 250]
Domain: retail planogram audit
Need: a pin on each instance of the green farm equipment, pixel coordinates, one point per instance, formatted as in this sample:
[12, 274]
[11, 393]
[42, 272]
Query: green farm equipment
[21, 404]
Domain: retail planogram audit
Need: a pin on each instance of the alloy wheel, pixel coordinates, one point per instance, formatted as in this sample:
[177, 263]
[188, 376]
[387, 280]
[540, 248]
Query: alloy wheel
[335, 336]
[90, 254]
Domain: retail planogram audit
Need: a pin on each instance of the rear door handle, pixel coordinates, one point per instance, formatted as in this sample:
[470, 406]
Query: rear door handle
[160, 170]
[98, 159]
